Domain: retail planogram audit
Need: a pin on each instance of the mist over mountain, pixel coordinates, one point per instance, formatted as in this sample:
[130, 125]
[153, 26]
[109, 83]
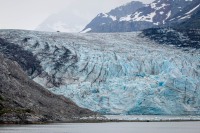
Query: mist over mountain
[63, 21]
[133, 16]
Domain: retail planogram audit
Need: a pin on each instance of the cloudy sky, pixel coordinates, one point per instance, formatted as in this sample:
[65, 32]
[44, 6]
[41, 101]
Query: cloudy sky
[28, 14]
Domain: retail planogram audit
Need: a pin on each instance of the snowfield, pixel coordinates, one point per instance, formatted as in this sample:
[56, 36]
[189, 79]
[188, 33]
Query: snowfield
[118, 73]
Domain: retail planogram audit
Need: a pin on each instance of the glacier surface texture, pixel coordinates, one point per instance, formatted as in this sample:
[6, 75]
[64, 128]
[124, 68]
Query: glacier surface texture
[118, 73]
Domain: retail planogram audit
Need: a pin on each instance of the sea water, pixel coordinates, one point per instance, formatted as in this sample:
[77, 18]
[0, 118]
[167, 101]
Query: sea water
[114, 127]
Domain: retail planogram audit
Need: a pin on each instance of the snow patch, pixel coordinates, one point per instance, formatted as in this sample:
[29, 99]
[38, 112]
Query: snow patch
[192, 10]
[168, 14]
[86, 30]
[161, 12]
[105, 15]
[127, 18]
[114, 18]
[137, 17]
[185, 17]
[157, 23]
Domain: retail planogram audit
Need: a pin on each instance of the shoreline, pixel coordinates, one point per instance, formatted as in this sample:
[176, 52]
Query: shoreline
[105, 119]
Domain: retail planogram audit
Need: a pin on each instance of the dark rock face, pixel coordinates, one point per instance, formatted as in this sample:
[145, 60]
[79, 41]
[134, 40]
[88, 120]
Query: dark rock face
[183, 29]
[192, 23]
[24, 101]
[24, 58]
[126, 9]
[21, 52]
[179, 37]
[185, 14]
[158, 13]
[122, 26]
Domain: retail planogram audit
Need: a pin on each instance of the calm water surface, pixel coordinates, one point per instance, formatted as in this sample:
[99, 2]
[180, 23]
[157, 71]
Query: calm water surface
[132, 127]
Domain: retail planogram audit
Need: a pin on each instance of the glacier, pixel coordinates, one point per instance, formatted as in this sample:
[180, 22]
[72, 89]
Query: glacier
[115, 73]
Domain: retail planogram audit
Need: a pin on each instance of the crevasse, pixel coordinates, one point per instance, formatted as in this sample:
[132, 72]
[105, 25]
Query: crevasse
[119, 73]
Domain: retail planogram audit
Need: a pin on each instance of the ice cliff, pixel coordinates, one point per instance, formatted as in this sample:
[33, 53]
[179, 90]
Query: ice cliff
[120, 73]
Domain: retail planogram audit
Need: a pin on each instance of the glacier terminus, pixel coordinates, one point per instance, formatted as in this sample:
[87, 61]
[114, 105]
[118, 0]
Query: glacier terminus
[115, 73]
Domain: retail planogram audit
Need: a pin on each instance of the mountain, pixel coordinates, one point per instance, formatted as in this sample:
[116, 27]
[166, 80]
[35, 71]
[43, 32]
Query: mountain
[191, 23]
[103, 21]
[29, 63]
[185, 14]
[118, 73]
[183, 30]
[181, 38]
[155, 14]
[24, 101]
[63, 21]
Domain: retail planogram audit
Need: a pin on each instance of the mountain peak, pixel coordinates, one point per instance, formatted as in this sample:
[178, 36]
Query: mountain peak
[114, 15]
[131, 17]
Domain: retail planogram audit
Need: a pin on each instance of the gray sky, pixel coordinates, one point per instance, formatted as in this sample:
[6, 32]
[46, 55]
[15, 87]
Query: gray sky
[28, 14]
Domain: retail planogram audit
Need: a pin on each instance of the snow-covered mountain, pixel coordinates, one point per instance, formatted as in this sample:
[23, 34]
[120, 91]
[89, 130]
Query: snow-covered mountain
[185, 14]
[103, 20]
[190, 19]
[119, 73]
[63, 21]
[157, 13]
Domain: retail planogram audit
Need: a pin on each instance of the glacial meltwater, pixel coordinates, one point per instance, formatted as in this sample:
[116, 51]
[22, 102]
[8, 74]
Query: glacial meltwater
[120, 127]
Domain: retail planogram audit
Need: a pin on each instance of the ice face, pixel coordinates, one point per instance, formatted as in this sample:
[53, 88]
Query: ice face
[118, 73]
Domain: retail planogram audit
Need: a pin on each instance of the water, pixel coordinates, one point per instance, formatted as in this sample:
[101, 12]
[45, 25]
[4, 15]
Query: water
[131, 127]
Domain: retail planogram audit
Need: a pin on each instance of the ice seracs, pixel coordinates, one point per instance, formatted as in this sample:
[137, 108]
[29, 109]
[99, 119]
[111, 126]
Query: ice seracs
[115, 73]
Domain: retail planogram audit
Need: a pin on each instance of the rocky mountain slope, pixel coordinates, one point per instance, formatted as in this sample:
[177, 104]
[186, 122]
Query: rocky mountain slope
[192, 23]
[120, 73]
[26, 59]
[104, 22]
[158, 13]
[186, 14]
[24, 101]
[178, 37]
[185, 33]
